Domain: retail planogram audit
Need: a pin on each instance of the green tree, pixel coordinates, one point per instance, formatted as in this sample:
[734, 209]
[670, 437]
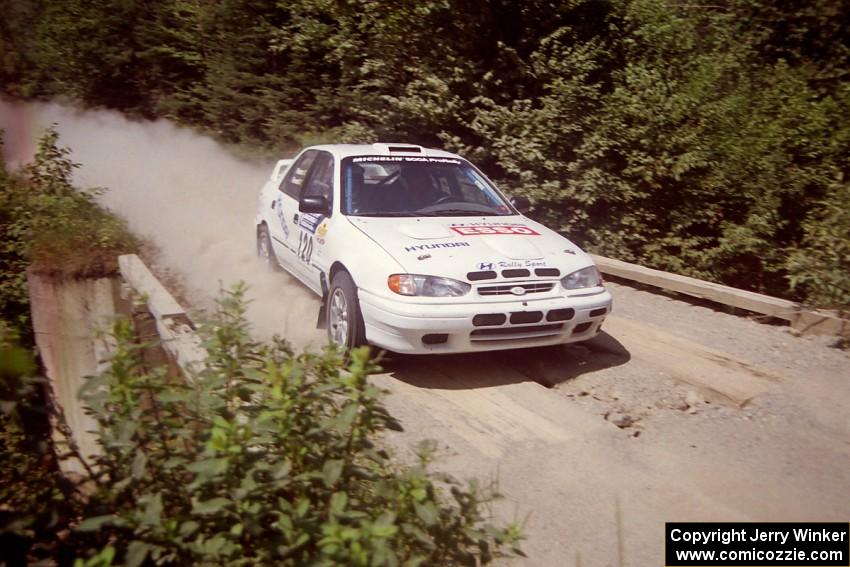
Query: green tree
[821, 263]
[696, 138]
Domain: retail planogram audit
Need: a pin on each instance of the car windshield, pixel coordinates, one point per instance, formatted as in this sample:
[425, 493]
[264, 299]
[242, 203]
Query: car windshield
[401, 186]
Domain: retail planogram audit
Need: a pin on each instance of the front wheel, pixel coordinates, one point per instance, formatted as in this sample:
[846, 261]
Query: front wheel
[265, 252]
[344, 322]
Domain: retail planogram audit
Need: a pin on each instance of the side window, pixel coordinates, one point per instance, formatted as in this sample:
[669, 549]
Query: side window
[471, 193]
[475, 189]
[321, 180]
[291, 184]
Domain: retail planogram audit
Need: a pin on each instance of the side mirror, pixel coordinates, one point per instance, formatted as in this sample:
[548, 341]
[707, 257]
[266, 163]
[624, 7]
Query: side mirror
[314, 204]
[520, 203]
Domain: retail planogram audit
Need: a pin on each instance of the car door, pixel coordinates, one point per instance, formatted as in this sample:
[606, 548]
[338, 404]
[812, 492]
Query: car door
[313, 228]
[283, 228]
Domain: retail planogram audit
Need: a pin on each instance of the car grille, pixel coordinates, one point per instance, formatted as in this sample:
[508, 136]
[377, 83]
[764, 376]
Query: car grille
[477, 276]
[540, 287]
[516, 333]
[522, 325]
[547, 272]
[515, 273]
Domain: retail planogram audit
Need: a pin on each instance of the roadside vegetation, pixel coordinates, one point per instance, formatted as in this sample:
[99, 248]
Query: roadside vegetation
[708, 139]
[34, 496]
[50, 227]
[53, 228]
[265, 456]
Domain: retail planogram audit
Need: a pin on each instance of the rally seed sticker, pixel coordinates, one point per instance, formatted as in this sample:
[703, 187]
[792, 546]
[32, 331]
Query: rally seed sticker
[494, 229]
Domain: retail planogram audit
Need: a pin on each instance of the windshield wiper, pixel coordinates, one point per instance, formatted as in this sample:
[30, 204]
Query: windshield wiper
[386, 214]
[453, 213]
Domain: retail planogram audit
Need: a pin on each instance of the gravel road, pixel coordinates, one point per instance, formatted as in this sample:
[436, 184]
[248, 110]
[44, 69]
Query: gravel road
[678, 412]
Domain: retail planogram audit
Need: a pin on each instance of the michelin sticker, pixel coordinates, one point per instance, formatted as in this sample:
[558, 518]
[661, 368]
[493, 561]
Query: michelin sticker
[405, 159]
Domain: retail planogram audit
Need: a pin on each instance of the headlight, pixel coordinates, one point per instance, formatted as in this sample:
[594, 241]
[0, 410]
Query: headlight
[428, 286]
[586, 277]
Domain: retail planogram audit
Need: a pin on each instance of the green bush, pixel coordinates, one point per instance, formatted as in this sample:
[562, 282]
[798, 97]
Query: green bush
[53, 228]
[34, 496]
[62, 229]
[675, 144]
[821, 265]
[266, 457]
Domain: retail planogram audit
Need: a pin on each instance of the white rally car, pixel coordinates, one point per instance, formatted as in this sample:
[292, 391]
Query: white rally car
[414, 250]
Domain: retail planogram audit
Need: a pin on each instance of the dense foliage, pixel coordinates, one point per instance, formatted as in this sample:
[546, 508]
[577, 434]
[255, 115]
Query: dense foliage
[264, 458]
[49, 226]
[52, 227]
[34, 504]
[709, 139]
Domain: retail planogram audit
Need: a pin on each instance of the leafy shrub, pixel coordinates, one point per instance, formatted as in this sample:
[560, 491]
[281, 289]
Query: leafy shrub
[821, 265]
[266, 457]
[51, 227]
[14, 301]
[61, 228]
[673, 144]
[34, 501]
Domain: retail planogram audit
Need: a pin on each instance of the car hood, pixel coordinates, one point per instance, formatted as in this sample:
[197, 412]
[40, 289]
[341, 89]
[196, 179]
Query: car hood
[454, 246]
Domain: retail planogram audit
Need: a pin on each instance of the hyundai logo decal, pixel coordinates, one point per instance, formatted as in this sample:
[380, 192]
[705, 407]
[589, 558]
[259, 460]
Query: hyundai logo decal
[518, 290]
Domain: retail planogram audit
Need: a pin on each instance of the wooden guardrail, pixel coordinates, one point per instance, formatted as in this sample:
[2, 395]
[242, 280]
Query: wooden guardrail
[180, 341]
[802, 319]
[173, 325]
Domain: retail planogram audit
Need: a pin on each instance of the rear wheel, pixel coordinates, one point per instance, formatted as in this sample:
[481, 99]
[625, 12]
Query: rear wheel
[265, 252]
[345, 323]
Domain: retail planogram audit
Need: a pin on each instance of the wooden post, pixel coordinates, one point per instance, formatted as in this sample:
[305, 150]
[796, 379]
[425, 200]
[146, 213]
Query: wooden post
[802, 319]
[66, 317]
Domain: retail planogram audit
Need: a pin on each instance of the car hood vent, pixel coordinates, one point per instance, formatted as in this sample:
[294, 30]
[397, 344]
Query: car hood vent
[425, 230]
[514, 248]
[399, 148]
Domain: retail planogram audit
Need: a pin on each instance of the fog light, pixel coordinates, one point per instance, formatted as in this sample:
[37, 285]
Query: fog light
[435, 339]
[582, 327]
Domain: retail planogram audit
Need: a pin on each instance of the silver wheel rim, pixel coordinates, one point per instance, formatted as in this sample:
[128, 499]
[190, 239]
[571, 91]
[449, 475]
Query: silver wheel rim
[339, 318]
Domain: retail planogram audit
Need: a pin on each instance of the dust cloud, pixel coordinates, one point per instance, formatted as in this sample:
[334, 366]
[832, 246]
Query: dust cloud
[183, 192]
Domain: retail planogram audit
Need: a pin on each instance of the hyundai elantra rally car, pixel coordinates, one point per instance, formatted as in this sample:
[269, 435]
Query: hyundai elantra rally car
[414, 250]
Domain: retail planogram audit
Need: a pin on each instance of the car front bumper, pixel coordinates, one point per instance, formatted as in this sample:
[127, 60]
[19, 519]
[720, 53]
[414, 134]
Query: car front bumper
[422, 328]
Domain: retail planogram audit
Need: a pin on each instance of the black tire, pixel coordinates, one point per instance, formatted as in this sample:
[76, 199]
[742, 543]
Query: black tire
[265, 252]
[342, 311]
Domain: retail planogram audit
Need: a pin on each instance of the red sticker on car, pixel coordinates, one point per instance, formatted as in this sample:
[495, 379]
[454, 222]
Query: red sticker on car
[495, 229]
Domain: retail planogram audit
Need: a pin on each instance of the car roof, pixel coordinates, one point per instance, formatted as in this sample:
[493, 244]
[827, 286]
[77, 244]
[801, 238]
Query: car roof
[341, 151]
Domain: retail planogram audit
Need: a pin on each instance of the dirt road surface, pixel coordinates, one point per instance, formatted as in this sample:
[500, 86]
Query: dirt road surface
[677, 412]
